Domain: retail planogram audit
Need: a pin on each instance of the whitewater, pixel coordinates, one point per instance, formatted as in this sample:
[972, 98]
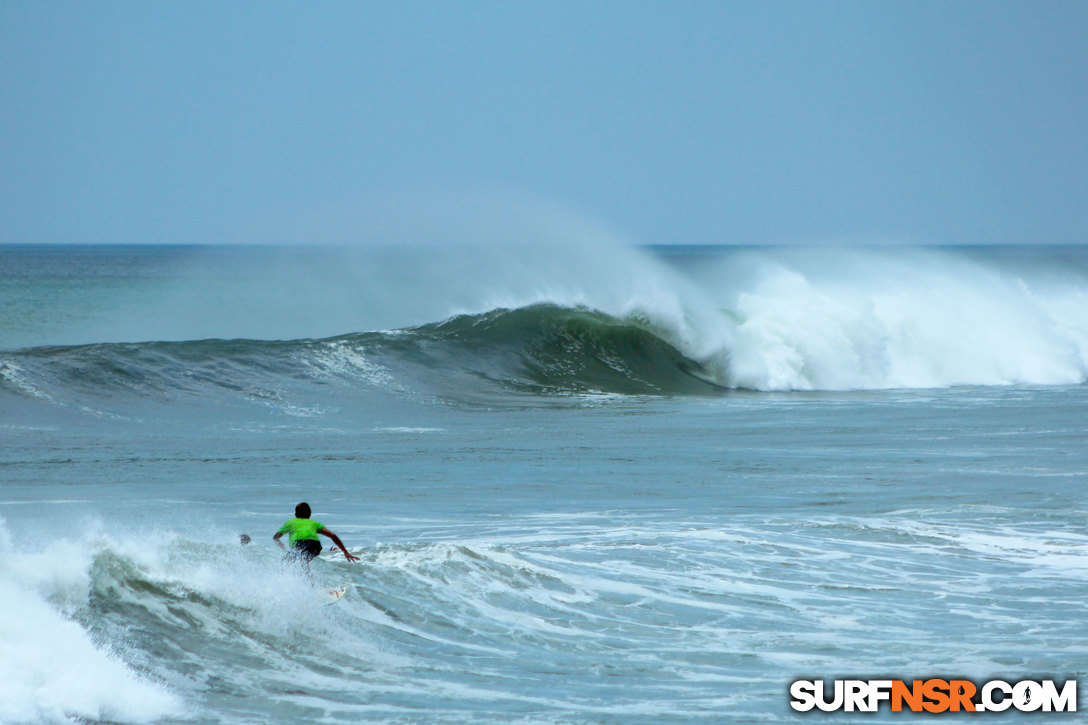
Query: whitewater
[587, 483]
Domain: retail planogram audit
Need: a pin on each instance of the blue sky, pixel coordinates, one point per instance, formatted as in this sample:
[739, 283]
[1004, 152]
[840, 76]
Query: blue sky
[687, 122]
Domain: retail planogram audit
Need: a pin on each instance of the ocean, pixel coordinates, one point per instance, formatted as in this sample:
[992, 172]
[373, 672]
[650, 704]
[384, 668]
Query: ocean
[591, 483]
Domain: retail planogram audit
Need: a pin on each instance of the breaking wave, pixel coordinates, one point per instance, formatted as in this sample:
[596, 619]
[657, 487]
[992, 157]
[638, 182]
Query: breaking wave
[737, 320]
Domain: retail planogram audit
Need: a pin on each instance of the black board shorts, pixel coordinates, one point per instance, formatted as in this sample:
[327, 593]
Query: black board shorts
[308, 548]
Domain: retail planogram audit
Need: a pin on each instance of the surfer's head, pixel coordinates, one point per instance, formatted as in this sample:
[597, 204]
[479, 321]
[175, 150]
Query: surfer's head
[302, 511]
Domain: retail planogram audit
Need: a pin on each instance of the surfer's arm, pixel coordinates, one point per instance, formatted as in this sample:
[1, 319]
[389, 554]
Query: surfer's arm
[336, 540]
[276, 537]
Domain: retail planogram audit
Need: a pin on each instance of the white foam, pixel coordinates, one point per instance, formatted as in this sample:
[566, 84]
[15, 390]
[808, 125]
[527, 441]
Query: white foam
[16, 376]
[51, 671]
[864, 319]
[339, 358]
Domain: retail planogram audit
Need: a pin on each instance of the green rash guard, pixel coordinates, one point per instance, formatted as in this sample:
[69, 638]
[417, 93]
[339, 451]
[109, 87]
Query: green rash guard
[301, 529]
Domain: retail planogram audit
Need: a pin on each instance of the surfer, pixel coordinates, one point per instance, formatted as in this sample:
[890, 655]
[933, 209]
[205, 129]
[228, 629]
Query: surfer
[302, 532]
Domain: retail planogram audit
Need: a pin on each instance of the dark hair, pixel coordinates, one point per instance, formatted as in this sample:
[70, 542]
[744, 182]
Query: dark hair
[302, 511]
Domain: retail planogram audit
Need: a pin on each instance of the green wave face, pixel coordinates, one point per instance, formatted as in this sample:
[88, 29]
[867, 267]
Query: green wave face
[550, 349]
[540, 350]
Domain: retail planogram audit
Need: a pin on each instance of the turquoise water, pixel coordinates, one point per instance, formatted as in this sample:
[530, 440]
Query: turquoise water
[586, 486]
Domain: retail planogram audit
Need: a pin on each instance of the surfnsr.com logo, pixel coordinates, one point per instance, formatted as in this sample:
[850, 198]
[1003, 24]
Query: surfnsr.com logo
[934, 696]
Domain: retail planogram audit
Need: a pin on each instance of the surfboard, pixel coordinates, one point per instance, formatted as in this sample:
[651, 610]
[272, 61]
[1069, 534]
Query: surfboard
[332, 596]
